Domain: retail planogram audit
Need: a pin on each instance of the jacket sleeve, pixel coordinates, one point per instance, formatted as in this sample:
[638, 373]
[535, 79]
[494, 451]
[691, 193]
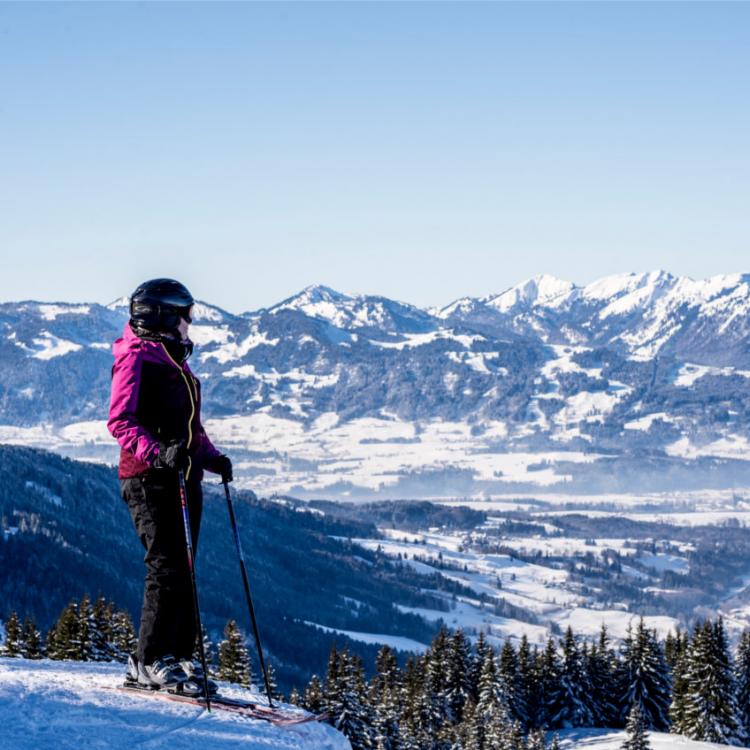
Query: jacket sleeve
[123, 421]
[206, 450]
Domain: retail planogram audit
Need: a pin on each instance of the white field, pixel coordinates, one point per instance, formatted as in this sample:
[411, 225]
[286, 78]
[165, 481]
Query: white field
[370, 453]
[612, 739]
[544, 590]
[53, 705]
[394, 641]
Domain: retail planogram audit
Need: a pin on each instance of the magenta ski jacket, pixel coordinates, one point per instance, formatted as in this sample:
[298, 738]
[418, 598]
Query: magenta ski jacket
[154, 400]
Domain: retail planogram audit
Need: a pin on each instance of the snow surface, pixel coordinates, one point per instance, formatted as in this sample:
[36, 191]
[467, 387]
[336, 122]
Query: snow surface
[644, 423]
[612, 739]
[541, 291]
[51, 312]
[49, 346]
[399, 642]
[541, 588]
[53, 705]
[689, 373]
[410, 340]
[729, 446]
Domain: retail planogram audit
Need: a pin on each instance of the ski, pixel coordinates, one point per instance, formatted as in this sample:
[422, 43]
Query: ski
[278, 716]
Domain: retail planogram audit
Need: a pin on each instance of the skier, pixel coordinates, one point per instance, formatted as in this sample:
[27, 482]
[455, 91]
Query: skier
[155, 417]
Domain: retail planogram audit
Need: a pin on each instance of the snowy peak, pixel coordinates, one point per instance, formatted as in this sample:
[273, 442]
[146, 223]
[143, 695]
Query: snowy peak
[205, 313]
[630, 292]
[617, 285]
[121, 303]
[313, 300]
[353, 312]
[541, 291]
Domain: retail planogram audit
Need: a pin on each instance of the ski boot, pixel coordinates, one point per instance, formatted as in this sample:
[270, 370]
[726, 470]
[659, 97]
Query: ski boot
[195, 674]
[162, 674]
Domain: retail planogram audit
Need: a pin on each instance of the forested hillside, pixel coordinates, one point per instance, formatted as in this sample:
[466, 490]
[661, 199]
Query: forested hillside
[65, 531]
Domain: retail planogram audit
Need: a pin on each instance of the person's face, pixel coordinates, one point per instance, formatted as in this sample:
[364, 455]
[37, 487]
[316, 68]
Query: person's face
[183, 325]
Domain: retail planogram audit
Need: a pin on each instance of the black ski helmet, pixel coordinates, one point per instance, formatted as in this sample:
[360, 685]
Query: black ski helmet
[159, 304]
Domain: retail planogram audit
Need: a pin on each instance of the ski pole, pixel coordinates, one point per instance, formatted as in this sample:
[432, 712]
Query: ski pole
[238, 545]
[191, 558]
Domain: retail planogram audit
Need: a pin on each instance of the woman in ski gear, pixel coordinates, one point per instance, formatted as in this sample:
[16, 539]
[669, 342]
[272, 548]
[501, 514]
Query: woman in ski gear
[155, 417]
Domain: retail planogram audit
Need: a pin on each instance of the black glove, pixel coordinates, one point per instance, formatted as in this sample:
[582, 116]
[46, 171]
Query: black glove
[173, 456]
[222, 465]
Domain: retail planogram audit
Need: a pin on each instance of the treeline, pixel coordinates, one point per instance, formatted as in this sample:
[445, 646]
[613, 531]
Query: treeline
[84, 631]
[98, 631]
[462, 697]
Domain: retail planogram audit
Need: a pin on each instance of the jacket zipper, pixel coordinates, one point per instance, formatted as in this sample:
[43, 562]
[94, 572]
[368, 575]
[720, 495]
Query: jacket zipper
[192, 408]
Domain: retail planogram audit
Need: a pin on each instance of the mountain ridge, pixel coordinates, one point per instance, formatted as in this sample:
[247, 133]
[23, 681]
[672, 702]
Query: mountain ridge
[630, 366]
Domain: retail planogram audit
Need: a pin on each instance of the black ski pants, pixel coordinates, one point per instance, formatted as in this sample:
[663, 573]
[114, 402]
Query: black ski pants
[167, 617]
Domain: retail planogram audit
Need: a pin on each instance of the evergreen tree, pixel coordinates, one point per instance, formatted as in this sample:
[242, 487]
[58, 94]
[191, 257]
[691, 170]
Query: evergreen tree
[679, 656]
[492, 715]
[234, 660]
[312, 698]
[573, 707]
[672, 648]
[491, 692]
[467, 732]
[433, 704]
[345, 699]
[273, 683]
[535, 690]
[637, 738]
[101, 636]
[536, 740]
[333, 685]
[84, 649]
[510, 683]
[645, 678]
[742, 685]
[384, 698]
[13, 644]
[63, 641]
[123, 640]
[411, 691]
[710, 711]
[511, 736]
[547, 680]
[294, 697]
[477, 664]
[458, 682]
[601, 665]
[208, 649]
[526, 687]
[32, 640]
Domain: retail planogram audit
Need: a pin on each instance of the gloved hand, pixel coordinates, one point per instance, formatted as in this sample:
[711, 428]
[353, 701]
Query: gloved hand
[222, 465]
[174, 456]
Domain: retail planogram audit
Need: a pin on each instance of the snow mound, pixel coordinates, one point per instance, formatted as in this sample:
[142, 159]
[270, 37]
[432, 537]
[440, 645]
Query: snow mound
[68, 706]
[612, 739]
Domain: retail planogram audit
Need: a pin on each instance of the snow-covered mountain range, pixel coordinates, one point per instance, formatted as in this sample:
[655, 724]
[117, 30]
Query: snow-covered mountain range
[636, 378]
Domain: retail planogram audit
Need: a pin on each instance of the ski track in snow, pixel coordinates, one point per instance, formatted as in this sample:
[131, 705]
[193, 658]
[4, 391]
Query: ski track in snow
[53, 705]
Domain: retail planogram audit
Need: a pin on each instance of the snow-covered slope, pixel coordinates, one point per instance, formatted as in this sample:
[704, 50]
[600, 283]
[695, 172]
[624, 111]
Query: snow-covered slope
[52, 705]
[357, 312]
[640, 314]
[612, 739]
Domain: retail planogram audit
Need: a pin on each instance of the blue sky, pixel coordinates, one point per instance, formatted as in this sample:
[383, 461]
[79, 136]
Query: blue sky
[422, 151]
